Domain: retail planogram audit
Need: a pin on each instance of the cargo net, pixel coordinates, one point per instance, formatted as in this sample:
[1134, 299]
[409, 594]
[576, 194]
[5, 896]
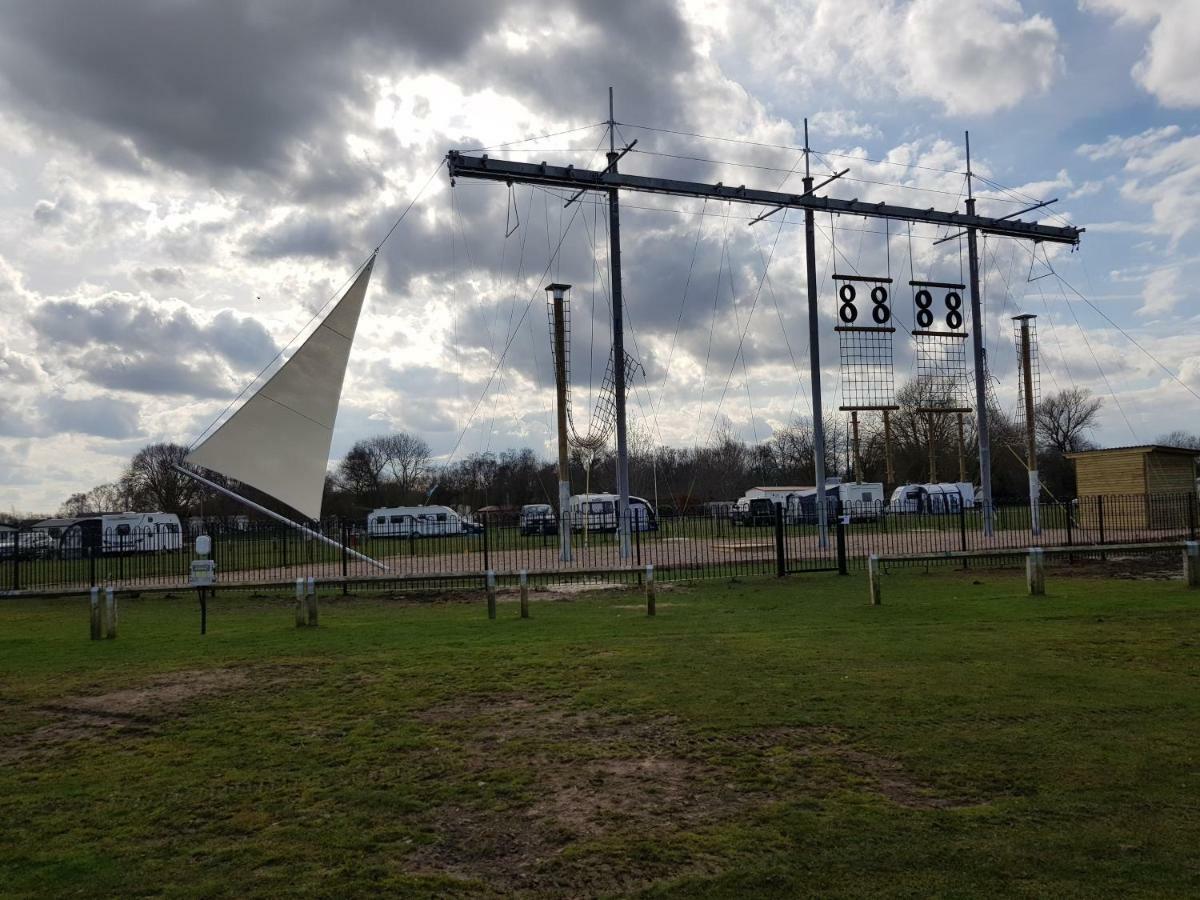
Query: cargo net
[940, 337]
[604, 409]
[865, 330]
[1035, 373]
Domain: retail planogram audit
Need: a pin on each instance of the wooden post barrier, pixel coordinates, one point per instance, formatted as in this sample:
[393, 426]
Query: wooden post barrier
[523, 575]
[650, 591]
[301, 612]
[873, 580]
[97, 629]
[1035, 572]
[1191, 563]
[312, 602]
[110, 612]
[491, 593]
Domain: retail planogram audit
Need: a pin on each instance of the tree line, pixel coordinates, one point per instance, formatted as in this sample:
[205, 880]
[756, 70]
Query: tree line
[398, 469]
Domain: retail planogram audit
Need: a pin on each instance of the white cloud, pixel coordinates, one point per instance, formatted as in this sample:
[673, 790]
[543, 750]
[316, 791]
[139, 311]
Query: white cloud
[1161, 292]
[1116, 147]
[1170, 66]
[977, 57]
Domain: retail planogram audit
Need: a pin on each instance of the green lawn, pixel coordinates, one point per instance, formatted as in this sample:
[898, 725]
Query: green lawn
[764, 738]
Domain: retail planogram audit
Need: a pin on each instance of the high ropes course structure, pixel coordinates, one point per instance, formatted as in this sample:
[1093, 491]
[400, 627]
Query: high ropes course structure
[295, 407]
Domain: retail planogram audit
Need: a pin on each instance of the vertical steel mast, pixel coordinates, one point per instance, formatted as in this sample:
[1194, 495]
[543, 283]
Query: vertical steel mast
[814, 354]
[981, 373]
[618, 331]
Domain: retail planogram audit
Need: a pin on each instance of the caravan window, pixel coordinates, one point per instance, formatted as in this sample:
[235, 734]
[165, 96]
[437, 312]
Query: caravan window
[396, 520]
[866, 497]
[441, 517]
[123, 530]
[172, 528]
[600, 506]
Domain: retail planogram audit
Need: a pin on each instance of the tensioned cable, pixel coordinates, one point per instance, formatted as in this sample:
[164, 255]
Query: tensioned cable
[536, 137]
[316, 315]
[1127, 335]
[710, 137]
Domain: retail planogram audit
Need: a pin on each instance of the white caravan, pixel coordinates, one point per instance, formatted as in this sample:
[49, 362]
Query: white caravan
[945, 498]
[417, 521]
[598, 512]
[129, 532]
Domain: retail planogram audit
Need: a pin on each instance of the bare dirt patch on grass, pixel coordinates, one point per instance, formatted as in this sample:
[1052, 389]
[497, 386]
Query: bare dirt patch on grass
[138, 709]
[591, 780]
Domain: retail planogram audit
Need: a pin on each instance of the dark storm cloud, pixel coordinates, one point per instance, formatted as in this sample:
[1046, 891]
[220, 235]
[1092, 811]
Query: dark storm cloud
[218, 87]
[137, 325]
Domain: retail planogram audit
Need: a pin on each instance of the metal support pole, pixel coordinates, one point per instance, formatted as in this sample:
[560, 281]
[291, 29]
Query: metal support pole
[814, 357]
[962, 450]
[1035, 488]
[560, 387]
[932, 450]
[614, 265]
[890, 469]
[981, 411]
[858, 475]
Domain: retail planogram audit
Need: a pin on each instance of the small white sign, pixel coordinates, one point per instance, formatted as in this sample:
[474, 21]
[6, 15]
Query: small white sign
[204, 572]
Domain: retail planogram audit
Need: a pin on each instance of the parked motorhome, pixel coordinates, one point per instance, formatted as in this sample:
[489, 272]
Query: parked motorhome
[538, 518]
[418, 521]
[598, 512]
[938, 499]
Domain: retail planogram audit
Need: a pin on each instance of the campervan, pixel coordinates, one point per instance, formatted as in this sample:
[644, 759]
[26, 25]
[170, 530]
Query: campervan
[598, 512]
[538, 518]
[418, 521]
[757, 505]
[946, 498]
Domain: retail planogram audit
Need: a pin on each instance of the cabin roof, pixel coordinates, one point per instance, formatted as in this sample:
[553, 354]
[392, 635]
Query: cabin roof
[1143, 448]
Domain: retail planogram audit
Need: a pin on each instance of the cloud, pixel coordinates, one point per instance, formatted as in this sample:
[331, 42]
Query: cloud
[105, 417]
[1161, 292]
[979, 57]
[1170, 65]
[1117, 147]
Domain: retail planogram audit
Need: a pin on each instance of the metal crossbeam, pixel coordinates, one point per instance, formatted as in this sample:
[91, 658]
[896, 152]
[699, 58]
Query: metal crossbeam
[570, 177]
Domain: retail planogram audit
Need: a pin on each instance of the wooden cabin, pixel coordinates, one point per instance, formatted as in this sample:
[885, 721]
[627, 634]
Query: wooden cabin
[1141, 487]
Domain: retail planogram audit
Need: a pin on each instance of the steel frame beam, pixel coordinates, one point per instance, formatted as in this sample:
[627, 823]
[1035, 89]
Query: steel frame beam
[483, 167]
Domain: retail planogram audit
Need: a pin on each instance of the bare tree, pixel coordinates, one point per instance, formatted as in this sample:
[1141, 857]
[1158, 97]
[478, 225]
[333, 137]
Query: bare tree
[1064, 419]
[152, 481]
[1179, 438]
[406, 456]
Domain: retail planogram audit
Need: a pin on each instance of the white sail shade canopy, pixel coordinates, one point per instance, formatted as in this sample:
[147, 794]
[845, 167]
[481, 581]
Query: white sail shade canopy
[279, 440]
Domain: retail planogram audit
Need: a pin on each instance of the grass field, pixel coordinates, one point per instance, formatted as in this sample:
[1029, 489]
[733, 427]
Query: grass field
[765, 738]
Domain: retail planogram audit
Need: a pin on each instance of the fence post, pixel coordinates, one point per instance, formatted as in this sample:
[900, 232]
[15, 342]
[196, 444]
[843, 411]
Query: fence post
[301, 612]
[962, 531]
[524, 580]
[637, 537]
[1070, 523]
[95, 613]
[312, 601]
[780, 560]
[873, 580]
[1192, 516]
[16, 580]
[345, 559]
[1191, 564]
[487, 559]
[490, 577]
[1100, 515]
[1035, 572]
[650, 591]
[842, 563]
[110, 612]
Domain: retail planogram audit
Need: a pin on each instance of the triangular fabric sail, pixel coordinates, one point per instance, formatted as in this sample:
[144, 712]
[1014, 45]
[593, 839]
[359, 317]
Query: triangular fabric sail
[279, 440]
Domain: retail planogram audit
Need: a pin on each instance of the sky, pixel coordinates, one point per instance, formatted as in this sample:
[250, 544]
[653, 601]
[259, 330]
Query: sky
[185, 185]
